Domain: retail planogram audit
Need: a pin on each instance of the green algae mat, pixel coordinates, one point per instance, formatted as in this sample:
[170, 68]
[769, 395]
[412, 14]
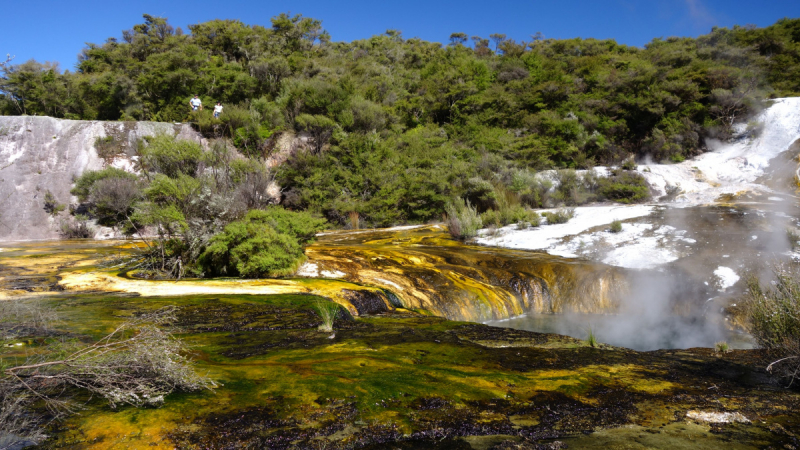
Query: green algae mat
[403, 380]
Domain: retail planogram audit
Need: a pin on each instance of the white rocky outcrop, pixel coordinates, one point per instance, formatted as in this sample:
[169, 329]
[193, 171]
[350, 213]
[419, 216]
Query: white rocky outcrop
[40, 154]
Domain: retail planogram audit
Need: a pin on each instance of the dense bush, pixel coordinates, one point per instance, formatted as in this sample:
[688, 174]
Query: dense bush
[623, 187]
[169, 156]
[574, 189]
[399, 126]
[531, 190]
[774, 317]
[84, 183]
[406, 179]
[108, 195]
[264, 243]
[185, 197]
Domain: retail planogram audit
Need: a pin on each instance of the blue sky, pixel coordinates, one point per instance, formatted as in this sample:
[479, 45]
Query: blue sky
[57, 30]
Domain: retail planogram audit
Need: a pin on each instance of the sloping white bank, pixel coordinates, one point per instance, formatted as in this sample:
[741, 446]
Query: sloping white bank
[731, 168]
[548, 236]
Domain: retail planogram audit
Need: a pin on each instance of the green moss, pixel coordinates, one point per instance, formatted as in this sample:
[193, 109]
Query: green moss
[407, 371]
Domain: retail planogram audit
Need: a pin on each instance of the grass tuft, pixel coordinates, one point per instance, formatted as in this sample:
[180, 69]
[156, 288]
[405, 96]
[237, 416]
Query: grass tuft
[463, 220]
[722, 347]
[591, 339]
[327, 311]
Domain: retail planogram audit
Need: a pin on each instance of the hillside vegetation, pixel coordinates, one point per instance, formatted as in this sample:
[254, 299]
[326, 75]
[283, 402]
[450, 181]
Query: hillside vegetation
[399, 128]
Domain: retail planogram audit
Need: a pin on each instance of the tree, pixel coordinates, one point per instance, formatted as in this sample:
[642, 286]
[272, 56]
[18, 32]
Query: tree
[8, 60]
[481, 46]
[458, 39]
[319, 126]
[498, 39]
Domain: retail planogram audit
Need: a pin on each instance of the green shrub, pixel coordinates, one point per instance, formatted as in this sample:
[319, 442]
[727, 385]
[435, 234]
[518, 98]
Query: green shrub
[250, 139]
[84, 183]
[107, 147]
[205, 122]
[463, 220]
[266, 243]
[235, 117]
[628, 164]
[677, 158]
[170, 156]
[480, 193]
[531, 190]
[515, 214]
[165, 190]
[271, 114]
[318, 126]
[615, 227]
[407, 178]
[574, 189]
[561, 215]
[51, 205]
[168, 219]
[538, 195]
[624, 187]
[303, 226]
[363, 115]
[774, 317]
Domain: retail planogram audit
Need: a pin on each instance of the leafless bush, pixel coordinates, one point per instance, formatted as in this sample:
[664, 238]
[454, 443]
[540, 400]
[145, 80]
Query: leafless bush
[19, 428]
[25, 317]
[138, 364]
[253, 189]
[115, 196]
[76, 227]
